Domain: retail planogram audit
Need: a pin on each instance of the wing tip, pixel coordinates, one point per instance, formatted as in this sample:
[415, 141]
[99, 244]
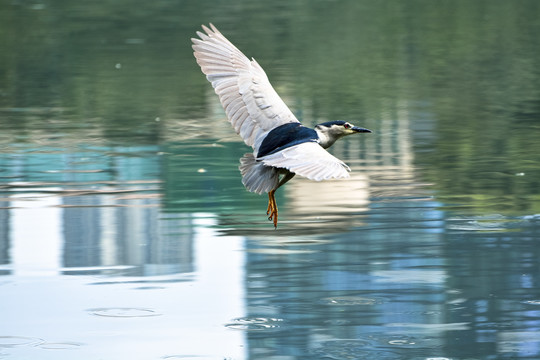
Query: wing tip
[206, 29]
[210, 29]
[214, 28]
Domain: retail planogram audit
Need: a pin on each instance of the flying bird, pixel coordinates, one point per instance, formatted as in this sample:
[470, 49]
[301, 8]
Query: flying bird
[282, 146]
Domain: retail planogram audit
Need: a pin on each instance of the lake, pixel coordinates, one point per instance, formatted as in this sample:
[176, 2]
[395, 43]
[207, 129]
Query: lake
[125, 230]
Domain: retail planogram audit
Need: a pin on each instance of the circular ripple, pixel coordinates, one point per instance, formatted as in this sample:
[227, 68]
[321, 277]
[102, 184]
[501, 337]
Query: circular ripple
[254, 324]
[124, 312]
[358, 349]
[149, 288]
[352, 300]
[60, 346]
[402, 341]
[13, 341]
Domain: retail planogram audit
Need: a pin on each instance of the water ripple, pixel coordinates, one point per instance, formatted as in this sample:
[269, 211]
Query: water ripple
[14, 341]
[352, 300]
[60, 345]
[531, 302]
[359, 349]
[123, 312]
[402, 341]
[255, 323]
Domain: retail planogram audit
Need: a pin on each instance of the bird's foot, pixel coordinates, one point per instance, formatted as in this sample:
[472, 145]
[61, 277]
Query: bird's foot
[272, 210]
[273, 217]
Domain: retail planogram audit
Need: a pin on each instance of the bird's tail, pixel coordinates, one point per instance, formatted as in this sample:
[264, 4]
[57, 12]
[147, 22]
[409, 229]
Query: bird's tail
[257, 177]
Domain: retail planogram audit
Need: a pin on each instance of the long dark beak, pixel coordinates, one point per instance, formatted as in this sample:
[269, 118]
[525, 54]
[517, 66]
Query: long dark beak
[359, 129]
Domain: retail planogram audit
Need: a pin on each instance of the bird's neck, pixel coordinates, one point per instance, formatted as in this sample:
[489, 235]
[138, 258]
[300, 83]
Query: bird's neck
[326, 139]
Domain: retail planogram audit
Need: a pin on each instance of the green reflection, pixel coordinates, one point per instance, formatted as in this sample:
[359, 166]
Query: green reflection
[199, 176]
[463, 74]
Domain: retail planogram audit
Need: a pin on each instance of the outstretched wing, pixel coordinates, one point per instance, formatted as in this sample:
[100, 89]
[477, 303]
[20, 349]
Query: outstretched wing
[309, 160]
[251, 103]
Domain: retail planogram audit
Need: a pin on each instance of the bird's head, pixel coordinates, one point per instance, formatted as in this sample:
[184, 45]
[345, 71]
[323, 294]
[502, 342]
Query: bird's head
[330, 131]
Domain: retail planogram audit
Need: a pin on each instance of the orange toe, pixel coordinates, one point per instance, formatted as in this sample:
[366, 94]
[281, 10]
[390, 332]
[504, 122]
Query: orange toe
[272, 210]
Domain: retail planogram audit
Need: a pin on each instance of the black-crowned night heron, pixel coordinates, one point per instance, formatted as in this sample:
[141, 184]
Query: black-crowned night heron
[282, 147]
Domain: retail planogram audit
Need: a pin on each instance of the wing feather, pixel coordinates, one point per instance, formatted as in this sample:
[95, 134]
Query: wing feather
[250, 102]
[310, 160]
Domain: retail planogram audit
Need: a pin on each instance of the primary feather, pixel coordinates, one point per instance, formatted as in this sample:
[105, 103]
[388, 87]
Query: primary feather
[250, 102]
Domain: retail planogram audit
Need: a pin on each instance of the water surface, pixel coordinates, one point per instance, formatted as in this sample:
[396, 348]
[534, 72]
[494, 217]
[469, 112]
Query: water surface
[125, 231]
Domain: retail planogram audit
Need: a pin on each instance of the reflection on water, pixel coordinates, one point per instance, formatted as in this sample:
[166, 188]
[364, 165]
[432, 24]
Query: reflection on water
[125, 231]
[385, 272]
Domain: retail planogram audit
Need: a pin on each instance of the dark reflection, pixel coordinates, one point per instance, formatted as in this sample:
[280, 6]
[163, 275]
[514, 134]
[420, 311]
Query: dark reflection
[337, 294]
[399, 292]
[499, 273]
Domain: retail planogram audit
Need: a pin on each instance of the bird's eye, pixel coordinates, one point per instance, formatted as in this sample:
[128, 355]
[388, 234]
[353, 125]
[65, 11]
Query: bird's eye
[347, 126]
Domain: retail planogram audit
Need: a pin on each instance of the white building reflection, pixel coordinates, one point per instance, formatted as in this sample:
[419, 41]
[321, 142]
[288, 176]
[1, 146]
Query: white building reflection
[85, 212]
[100, 230]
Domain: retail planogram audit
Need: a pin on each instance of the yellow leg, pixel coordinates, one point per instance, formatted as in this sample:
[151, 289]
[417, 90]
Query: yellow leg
[272, 210]
[270, 207]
